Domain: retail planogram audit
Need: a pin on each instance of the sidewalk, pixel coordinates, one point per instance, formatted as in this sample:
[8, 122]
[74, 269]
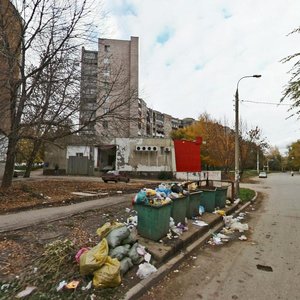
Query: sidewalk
[31, 217]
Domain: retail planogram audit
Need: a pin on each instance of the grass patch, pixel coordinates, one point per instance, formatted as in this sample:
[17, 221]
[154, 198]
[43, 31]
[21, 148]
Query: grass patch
[246, 194]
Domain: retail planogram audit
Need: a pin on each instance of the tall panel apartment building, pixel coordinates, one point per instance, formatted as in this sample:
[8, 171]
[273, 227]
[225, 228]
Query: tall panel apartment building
[109, 94]
[109, 89]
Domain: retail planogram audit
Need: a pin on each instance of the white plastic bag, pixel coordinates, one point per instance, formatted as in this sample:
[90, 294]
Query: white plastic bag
[145, 270]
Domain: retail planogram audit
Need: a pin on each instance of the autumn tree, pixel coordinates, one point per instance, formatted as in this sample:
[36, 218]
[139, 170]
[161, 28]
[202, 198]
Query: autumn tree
[217, 149]
[275, 159]
[293, 159]
[253, 144]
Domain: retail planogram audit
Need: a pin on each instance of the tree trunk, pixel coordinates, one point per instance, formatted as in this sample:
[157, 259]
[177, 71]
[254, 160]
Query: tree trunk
[30, 161]
[10, 163]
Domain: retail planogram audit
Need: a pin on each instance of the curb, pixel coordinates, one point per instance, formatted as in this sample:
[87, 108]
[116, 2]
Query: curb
[139, 289]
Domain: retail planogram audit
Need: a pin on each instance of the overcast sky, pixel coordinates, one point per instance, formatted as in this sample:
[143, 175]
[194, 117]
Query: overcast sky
[193, 52]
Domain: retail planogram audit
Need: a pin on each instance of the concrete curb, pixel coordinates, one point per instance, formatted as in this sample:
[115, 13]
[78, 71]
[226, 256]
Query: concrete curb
[140, 289]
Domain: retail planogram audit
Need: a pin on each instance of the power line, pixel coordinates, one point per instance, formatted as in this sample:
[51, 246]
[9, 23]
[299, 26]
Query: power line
[266, 103]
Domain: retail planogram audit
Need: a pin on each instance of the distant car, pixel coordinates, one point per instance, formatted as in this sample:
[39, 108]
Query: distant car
[115, 176]
[262, 175]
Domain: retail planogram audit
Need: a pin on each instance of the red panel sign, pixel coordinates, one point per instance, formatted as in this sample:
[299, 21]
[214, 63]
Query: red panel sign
[187, 155]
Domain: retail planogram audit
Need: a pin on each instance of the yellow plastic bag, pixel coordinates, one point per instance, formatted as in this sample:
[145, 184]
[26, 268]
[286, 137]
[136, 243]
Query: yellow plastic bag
[192, 186]
[108, 275]
[150, 192]
[107, 228]
[93, 259]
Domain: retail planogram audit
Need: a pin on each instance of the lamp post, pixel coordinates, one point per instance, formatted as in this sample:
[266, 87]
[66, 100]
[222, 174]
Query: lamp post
[236, 140]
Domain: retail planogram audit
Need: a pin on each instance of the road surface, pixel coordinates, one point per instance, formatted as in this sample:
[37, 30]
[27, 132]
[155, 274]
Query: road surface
[266, 266]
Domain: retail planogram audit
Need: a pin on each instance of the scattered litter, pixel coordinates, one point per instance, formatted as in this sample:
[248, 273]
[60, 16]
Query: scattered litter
[176, 271]
[128, 210]
[145, 270]
[119, 192]
[93, 297]
[79, 253]
[228, 202]
[88, 286]
[215, 240]
[201, 210]
[35, 270]
[237, 201]
[220, 212]
[147, 257]
[72, 285]
[223, 237]
[200, 223]
[133, 220]
[61, 285]
[4, 286]
[264, 268]
[239, 226]
[26, 292]
[243, 238]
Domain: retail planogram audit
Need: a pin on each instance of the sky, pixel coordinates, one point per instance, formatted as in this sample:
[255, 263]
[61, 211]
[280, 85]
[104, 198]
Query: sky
[192, 54]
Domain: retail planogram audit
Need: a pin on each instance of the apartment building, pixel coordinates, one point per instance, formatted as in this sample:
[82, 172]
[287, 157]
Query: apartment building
[109, 94]
[109, 89]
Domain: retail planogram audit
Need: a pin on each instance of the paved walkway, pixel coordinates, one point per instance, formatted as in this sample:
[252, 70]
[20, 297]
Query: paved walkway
[27, 218]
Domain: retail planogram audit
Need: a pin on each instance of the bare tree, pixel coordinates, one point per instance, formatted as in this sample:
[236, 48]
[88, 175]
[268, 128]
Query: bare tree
[44, 100]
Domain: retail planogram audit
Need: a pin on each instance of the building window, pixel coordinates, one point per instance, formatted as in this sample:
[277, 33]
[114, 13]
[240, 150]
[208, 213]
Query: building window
[106, 48]
[79, 154]
[105, 124]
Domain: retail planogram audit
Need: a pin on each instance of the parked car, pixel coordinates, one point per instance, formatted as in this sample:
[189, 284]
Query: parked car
[115, 176]
[262, 175]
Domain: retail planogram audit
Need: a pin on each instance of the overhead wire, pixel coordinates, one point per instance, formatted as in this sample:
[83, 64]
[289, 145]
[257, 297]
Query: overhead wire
[266, 103]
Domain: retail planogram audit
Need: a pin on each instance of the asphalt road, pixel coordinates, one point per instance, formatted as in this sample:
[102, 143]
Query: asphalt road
[231, 272]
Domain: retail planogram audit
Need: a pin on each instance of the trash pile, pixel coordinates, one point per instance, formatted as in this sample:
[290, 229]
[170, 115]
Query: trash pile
[162, 195]
[117, 252]
[233, 228]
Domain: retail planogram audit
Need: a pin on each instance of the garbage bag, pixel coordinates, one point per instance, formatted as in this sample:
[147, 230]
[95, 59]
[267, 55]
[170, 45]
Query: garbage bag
[150, 192]
[132, 238]
[94, 258]
[176, 188]
[116, 236]
[145, 270]
[239, 226]
[108, 275]
[119, 252]
[107, 228]
[141, 197]
[192, 186]
[134, 255]
[126, 264]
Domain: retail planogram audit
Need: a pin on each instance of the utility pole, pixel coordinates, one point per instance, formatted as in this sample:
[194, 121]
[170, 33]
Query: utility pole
[236, 139]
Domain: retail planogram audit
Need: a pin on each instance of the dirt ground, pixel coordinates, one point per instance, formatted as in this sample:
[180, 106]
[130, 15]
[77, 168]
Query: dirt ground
[24, 195]
[21, 250]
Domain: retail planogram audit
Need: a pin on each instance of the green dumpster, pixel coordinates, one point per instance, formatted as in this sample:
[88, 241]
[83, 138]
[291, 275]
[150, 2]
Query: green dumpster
[221, 195]
[208, 199]
[153, 221]
[193, 204]
[178, 209]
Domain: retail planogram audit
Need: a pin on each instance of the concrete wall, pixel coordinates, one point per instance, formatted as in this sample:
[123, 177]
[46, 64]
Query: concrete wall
[129, 159]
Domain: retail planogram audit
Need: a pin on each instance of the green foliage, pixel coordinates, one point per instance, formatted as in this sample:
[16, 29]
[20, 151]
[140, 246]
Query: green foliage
[246, 194]
[292, 89]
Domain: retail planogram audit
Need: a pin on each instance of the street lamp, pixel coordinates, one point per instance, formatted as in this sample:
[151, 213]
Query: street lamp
[236, 140]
